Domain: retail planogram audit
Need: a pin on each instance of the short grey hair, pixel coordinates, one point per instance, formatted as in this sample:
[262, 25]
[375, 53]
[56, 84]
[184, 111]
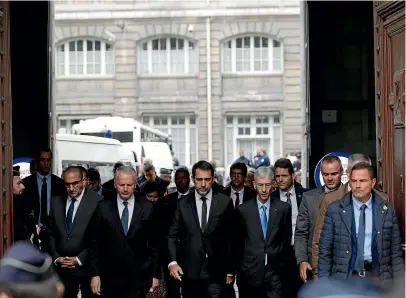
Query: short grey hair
[126, 170]
[358, 157]
[263, 172]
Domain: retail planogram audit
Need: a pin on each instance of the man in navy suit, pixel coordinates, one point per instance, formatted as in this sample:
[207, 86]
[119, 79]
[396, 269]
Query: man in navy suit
[292, 194]
[361, 237]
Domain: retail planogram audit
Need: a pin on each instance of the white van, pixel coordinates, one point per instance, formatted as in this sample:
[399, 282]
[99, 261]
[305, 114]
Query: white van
[159, 153]
[89, 152]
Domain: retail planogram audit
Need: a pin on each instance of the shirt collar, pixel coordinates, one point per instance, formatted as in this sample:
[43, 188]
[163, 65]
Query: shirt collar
[130, 201]
[42, 177]
[241, 192]
[358, 204]
[183, 194]
[208, 196]
[79, 197]
[292, 192]
[267, 204]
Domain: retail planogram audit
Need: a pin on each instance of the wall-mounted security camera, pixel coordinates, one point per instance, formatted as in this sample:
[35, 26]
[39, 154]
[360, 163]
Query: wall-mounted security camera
[191, 28]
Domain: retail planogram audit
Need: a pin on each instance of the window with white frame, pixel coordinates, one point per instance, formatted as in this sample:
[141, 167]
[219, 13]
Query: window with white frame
[85, 57]
[184, 135]
[65, 125]
[167, 55]
[245, 132]
[252, 54]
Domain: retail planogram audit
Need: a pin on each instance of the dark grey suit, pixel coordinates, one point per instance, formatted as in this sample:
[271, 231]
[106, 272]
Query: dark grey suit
[305, 224]
[74, 243]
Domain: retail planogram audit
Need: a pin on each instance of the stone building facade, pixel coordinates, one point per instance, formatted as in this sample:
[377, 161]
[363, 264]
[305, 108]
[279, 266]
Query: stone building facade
[188, 68]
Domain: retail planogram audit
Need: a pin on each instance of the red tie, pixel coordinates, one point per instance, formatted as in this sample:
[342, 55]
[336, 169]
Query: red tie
[237, 199]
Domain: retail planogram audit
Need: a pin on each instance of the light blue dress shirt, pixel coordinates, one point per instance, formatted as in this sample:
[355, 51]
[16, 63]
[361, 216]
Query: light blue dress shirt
[368, 225]
[268, 207]
[39, 182]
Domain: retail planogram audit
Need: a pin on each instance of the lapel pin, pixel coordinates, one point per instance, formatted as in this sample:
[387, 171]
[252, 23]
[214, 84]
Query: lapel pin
[385, 207]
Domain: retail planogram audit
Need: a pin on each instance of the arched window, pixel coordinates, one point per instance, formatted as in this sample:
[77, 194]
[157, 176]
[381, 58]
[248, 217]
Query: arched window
[84, 57]
[252, 54]
[167, 55]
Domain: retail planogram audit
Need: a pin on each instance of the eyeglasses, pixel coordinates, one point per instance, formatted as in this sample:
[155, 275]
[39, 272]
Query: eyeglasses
[74, 184]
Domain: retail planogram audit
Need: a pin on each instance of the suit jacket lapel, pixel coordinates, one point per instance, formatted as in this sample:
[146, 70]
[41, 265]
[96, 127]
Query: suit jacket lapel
[257, 218]
[60, 212]
[380, 211]
[347, 211]
[192, 203]
[136, 217]
[116, 215]
[299, 194]
[81, 211]
[273, 213]
[213, 206]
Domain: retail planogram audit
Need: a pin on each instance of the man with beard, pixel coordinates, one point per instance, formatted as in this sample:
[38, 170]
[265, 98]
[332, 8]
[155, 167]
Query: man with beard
[165, 211]
[24, 218]
[200, 237]
[331, 170]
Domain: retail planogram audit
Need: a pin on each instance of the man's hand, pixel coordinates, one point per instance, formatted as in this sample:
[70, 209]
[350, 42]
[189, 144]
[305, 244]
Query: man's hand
[229, 280]
[304, 266]
[68, 262]
[176, 272]
[95, 285]
[155, 283]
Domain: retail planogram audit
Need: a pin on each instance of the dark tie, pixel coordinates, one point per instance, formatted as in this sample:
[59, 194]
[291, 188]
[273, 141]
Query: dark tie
[44, 202]
[204, 212]
[124, 218]
[288, 200]
[359, 263]
[69, 215]
[237, 200]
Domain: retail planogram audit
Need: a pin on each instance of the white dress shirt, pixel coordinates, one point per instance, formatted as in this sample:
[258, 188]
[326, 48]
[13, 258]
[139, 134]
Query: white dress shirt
[295, 210]
[76, 204]
[183, 194]
[130, 207]
[240, 195]
[75, 208]
[199, 205]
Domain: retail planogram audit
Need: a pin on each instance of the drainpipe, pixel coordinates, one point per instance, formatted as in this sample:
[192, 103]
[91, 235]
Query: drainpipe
[208, 78]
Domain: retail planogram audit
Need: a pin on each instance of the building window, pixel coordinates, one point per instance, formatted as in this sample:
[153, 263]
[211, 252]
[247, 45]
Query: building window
[84, 57]
[168, 56]
[65, 125]
[252, 54]
[247, 132]
[183, 131]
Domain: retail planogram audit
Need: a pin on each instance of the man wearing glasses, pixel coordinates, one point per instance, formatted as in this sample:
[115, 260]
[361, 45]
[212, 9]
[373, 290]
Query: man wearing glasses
[68, 229]
[39, 189]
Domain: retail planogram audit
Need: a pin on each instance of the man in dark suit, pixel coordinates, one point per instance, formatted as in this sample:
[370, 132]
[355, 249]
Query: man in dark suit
[262, 241]
[239, 193]
[361, 238]
[331, 170]
[69, 232]
[40, 188]
[290, 193]
[165, 210]
[200, 237]
[150, 175]
[124, 244]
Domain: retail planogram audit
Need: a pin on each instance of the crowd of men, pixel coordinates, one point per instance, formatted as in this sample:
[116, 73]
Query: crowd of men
[268, 235]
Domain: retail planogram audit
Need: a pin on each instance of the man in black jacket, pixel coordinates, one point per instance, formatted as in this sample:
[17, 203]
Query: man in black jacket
[165, 210]
[199, 239]
[69, 230]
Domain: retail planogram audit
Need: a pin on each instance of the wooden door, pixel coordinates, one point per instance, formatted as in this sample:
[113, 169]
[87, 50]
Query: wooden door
[5, 130]
[390, 101]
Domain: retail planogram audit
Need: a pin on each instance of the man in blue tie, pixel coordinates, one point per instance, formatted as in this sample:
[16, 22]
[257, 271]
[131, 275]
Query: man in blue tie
[262, 241]
[124, 244]
[361, 237]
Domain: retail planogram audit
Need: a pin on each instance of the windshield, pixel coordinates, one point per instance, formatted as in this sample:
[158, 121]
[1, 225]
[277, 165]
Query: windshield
[122, 136]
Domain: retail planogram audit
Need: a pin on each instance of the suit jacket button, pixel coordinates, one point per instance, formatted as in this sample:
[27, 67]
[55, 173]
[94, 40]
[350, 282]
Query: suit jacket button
[68, 238]
[347, 252]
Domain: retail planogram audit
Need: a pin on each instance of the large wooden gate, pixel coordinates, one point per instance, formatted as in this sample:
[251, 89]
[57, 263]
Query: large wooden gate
[5, 129]
[390, 101]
